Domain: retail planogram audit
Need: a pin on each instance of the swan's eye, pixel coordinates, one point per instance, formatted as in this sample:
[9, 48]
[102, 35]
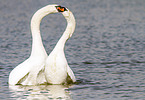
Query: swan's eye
[61, 9]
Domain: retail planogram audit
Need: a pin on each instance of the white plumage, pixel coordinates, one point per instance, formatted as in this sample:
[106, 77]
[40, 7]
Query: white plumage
[40, 68]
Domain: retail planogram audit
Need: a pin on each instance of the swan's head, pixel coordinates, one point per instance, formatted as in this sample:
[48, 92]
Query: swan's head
[66, 12]
[54, 8]
[61, 9]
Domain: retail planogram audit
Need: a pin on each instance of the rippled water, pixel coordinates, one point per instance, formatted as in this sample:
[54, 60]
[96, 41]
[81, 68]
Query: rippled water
[106, 52]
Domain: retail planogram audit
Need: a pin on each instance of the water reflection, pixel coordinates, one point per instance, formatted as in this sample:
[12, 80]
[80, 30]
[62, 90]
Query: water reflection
[42, 92]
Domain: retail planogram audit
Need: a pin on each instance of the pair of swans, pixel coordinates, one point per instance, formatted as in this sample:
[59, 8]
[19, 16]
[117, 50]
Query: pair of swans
[40, 68]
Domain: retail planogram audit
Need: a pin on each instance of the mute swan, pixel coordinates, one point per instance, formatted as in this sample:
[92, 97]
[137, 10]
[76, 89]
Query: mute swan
[31, 71]
[57, 70]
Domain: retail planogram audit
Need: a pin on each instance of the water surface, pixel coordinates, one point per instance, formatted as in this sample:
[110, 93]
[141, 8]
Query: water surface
[106, 51]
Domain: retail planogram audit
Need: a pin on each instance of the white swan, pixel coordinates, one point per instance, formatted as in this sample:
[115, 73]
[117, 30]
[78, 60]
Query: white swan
[57, 70]
[31, 71]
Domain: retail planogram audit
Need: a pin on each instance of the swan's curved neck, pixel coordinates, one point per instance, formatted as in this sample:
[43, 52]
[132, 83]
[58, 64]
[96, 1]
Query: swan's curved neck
[67, 33]
[37, 45]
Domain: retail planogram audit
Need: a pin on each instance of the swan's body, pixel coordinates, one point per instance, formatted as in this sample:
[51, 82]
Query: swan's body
[33, 71]
[57, 70]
